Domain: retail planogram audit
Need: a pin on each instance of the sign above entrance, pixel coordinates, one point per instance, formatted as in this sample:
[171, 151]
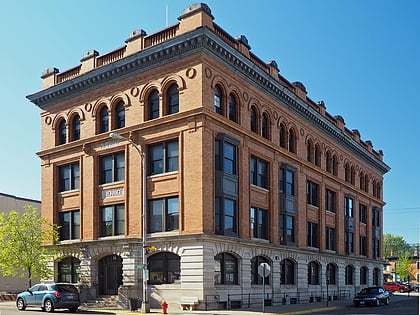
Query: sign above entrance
[112, 193]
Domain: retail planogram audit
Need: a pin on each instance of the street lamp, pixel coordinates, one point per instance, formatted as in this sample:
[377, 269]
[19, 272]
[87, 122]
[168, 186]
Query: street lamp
[145, 307]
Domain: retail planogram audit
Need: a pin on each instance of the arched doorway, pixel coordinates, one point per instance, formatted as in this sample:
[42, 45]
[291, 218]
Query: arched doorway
[110, 274]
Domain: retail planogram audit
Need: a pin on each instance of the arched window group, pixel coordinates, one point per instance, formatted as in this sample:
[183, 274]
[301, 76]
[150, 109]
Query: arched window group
[111, 119]
[73, 127]
[225, 106]
[313, 153]
[171, 102]
[288, 138]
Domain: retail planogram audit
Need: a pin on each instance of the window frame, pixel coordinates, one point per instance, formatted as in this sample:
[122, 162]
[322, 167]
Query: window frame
[221, 260]
[73, 177]
[116, 171]
[287, 232]
[233, 108]
[330, 238]
[62, 132]
[313, 234]
[256, 279]
[169, 220]
[73, 275]
[348, 206]
[314, 273]
[153, 105]
[75, 128]
[72, 228]
[168, 166]
[104, 119]
[172, 99]
[287, 272]
[259, 179]
[330, 200]
[117, 221]
[312, 193]
[119, 115]
[349, 275]
[166, 275]
[218, 100]
[259, 223]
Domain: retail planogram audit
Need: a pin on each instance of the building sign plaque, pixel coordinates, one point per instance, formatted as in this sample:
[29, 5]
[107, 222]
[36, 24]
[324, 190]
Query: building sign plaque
[112, 193]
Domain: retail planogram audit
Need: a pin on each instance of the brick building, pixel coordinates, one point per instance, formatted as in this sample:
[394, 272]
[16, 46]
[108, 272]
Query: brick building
[243, 168]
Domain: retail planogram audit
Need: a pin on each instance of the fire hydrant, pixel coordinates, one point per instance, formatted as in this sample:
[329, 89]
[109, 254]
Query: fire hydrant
[164, 306]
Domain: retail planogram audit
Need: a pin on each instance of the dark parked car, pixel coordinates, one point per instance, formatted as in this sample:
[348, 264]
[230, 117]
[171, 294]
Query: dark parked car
[395, 286]
[371, 296]
[50, 296]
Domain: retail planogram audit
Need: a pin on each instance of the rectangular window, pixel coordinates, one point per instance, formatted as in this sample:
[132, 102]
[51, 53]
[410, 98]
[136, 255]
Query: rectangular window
[287, 182]
[259, 172]
[68, 177]
[348, 207]
[226, 157]
[226, 216]
[330, 200]
[349, 242]
[312, 193]
[287, 229]
[163, 157]
[362, 213]
[363, 246]
[330, 238]
[313, 234]
[259, 223]
[111, 168]
[375, 249]
[375, 218]
[112, 220]
[163, 215]
[70, 225]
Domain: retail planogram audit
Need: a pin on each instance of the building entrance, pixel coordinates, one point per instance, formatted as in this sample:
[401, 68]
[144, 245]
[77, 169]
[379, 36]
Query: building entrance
[110, 274]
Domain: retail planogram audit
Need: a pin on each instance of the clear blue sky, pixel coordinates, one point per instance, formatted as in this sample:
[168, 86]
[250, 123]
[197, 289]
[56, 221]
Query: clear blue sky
[362, 58]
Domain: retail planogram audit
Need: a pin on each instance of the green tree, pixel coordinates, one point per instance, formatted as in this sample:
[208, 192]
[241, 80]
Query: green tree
[22, 240]
[394, 245]
[404, 267]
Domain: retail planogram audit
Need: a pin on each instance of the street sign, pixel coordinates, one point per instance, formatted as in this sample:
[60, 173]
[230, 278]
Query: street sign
[264, 270]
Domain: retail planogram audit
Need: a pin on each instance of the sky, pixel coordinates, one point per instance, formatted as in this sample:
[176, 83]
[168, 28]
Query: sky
[362, 58]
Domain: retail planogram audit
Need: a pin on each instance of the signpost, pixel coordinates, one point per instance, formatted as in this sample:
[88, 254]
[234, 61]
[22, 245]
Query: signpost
[264, 270]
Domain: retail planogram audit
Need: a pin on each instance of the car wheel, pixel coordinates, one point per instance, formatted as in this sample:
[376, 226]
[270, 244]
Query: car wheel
[378, 302]
[401, 290]
[20, 303]
[48, 305]
[387, 301]
[73, 309]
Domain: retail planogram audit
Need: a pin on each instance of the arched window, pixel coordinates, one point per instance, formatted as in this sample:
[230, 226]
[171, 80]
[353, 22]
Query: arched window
[363, 275]
[334, 165]
[254, 120]
[75, 128]
[374, 190]
[313, 273]
[172, 99]
[376, 276]
[317, 155]
[218, 100]
[119, 115]
[225, 269]
[309, 151]
[153, 105]
[255, 263]
[378, 190]
[287, 275]
[292, 141]
[282, 136]
[347, 172]
[328, 161]
[69, 270]
[265, 126]
[62, 132]
[349, 275]
[331, 274]
[352, 175]
[233, 108]
[164, 268]
[366, 183]
[362, 181]
[103, 120]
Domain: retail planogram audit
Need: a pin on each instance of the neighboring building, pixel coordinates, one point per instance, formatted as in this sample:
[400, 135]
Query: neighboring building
[12, 203]
[243, 168]
[389, 272]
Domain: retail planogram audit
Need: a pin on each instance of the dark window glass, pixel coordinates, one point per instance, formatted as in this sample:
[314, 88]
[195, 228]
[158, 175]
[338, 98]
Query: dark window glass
[375, 248]
[225, 269]
[331, 274]
[282, 136]
[376, 276]
[309, 152]
[62, 132]
[348, 207]
[349, 242]
[164, 268]
[233, 108]
[111, 168]
[317, 156]
[255, 277]
[287, 182]
[259, 172]
[254, 120]
[225, 157]
[334, 165]
[362, 213]
[103, 120]
[69, 177]
[330, 238]
[292, 141]
[287, 229]
[375, 218]
[120, 115]
[363, 246]
[313, 273]
[330, 200]
[287, 275]
[349, 275]
[112, 220]
[313, 234]
[75, 128]
[69, 270]
[363, 275]
[259, 223]
[70, 225]
[265, 126]
[163, 157]
[163, 214]
[172, 99]
[218, 100]
[153, 105]
[312, 193]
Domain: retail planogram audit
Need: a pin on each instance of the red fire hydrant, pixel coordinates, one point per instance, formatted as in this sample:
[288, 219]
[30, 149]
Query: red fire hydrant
[164, 306]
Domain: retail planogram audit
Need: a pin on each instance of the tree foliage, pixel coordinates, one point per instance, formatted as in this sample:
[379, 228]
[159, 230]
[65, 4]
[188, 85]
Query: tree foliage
[22, 237]
[394, 245]
[404, 267]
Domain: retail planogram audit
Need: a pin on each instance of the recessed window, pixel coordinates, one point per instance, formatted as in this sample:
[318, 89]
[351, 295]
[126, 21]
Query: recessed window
[362, 213]
[314, 270]
[265, 126]
[349, 275]
[226, 157]
[172, 99]
[164, 268]
[75, 128]
[283, 136]
[119, 115]
[62, 132]
[287, 181]
[163, 214]
[317, 155]
[363, 245]
[330, 238]
[103, 120]
[255, 277]
[68, 177]
[254, 120]
[111, 168]
[313, 234]
[331, 274]
[153, 105]
[226, 216]
[348, 207]
[233, 108]
[287, 229]
[259, 172]
[163, 157]
[69, 270]
[70, 225]
[225, 269]
[287, 275]
[349, 242]
[309, 151]
[112, 220]
[292, 140]
[218, 100]
[259, 223]
[312, 190]
[329, 200]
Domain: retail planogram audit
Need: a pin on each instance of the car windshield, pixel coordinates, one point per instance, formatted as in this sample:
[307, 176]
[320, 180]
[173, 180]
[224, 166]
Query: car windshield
[66, 288]
[369, 291]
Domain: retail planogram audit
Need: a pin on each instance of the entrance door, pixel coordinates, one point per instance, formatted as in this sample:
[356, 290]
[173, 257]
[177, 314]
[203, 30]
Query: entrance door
[110, 274]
